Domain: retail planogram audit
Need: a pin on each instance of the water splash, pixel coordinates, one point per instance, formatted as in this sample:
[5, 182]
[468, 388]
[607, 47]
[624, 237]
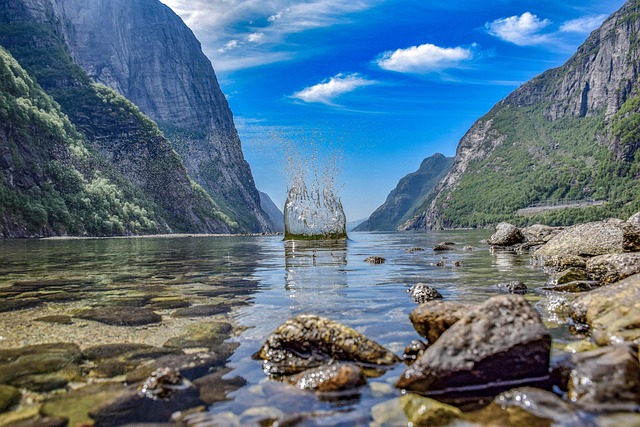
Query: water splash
[313, 211]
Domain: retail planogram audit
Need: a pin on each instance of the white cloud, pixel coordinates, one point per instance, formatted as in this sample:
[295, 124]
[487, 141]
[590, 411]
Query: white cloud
[582, 25]
[217, 23]
[329, 90]
[524, 30]
[423, 58]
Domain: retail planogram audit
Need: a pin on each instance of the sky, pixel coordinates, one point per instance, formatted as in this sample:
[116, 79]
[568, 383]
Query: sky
[374, 86]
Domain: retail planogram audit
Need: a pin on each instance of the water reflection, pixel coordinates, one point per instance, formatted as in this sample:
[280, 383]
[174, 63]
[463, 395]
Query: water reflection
[315, 269]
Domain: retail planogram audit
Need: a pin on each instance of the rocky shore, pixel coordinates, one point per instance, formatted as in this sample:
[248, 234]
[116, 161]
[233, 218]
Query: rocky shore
[489, 363]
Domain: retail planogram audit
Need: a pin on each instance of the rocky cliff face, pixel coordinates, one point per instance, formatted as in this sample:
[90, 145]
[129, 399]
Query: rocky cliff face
[144, 51]
[131, 157]
[579, 121]
[410, 195]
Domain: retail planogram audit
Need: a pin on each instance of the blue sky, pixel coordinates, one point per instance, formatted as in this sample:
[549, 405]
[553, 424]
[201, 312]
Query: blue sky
[377, 84]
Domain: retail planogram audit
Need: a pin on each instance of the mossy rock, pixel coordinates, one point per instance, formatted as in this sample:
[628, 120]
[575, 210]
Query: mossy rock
[202, 335]
[120, 316]
[9, 396]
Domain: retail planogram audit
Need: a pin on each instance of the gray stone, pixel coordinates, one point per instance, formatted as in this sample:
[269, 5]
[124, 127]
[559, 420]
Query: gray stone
[506, 235]
[500, 341]
[515, 287]
[634, 220]
[614, 267]
[539, 233]
[421, 293]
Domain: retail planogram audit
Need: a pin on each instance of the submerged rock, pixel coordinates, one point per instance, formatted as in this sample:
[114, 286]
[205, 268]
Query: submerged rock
[41, 367]
[591, 239]
[18, 304]
[216, 387]
[501, 341]
[614, 267]
[415, 410]
[515, 287]
[573, 287]
[202, 335]
[375, 260]
[58, 319]
[421, 293]
[568, 275]
[9, 396]
[163, 383]
[330, 378]
[414, 250]
[606, 378]
[201, 310]
[443, 246]
[308, 341]
[612, 312]
[431, 319]
[120, 316]
[506, 235]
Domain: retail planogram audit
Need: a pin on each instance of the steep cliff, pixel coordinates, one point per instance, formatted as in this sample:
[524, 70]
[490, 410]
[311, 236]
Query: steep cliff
[129, 146]
[275, 214]
[144, 51]
[571, 133]
[412, 194]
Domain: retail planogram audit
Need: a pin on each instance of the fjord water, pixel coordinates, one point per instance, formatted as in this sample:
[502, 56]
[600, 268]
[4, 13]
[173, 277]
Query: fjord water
[263, 281]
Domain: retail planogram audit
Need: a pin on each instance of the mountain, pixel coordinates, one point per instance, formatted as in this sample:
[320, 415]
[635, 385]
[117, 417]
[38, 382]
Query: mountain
[77, 157]
[572, 133]
[144, 51]
[275, 214]
[410, 195]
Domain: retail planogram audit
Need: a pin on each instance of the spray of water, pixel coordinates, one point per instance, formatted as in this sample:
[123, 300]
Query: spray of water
[313, 209]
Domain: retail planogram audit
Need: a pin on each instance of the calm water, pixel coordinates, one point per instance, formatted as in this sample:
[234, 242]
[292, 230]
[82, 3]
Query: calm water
[265, 281]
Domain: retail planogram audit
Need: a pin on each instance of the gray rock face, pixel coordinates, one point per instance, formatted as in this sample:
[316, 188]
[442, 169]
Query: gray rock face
[502, 340]
[145, 52]
[410, 194]
[271, 209]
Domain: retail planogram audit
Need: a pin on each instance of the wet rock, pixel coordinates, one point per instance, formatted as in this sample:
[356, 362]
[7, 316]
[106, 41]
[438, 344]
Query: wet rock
[502, 340]
[563, 262]
[515, 287]
[573, 287]
[569, 275]
[421, 293]
[9, 396]
[76, 405]
[120, 316]
[614, 267]
[202, 310]
[216, 387]
[612, 312]
[413, 351]
[607, 378]
[443, 246]
[108, 351]
[40, 422]
[119, 359]
[59, 319]
[129, 301]
[167, 303]
[431, 319]
[191, 366]
[440, 263]
[202, 335]
[580, 346]
[458, 263]
[330, 378]
[308, 341]
[18, 304]
[163, 383]
[527, 406]
[539, 233]
[468, 248]
[414, 250]
[506, 235]
[20, 366]
[375, 260]
[414, 410]
[591, 239]
[132, 407]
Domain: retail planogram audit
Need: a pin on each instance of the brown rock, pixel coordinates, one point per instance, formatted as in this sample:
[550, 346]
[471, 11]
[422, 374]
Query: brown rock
[431, 319]
[329, 378]
[614, 267]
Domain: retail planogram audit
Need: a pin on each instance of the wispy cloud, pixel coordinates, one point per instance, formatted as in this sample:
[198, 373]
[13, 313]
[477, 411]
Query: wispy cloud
[583, 25]
[242, 33]
[524, 30]
[424, 58]
[327, 91]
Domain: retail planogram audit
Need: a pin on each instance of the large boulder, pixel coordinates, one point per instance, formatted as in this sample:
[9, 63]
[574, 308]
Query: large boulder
[431, 319]
[608, 377]
[501, 341]
[539, 233]
[614, 267]
[308, 341]
[506, 235]
[591, 239]
[612, 312]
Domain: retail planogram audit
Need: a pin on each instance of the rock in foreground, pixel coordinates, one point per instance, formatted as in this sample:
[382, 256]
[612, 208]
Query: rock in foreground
[431, 319]
[330, 378]
[308, 341]
[506, 235]
[502, 340]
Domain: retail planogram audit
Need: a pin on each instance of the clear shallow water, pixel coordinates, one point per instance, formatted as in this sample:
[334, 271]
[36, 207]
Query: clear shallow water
[265, 281]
